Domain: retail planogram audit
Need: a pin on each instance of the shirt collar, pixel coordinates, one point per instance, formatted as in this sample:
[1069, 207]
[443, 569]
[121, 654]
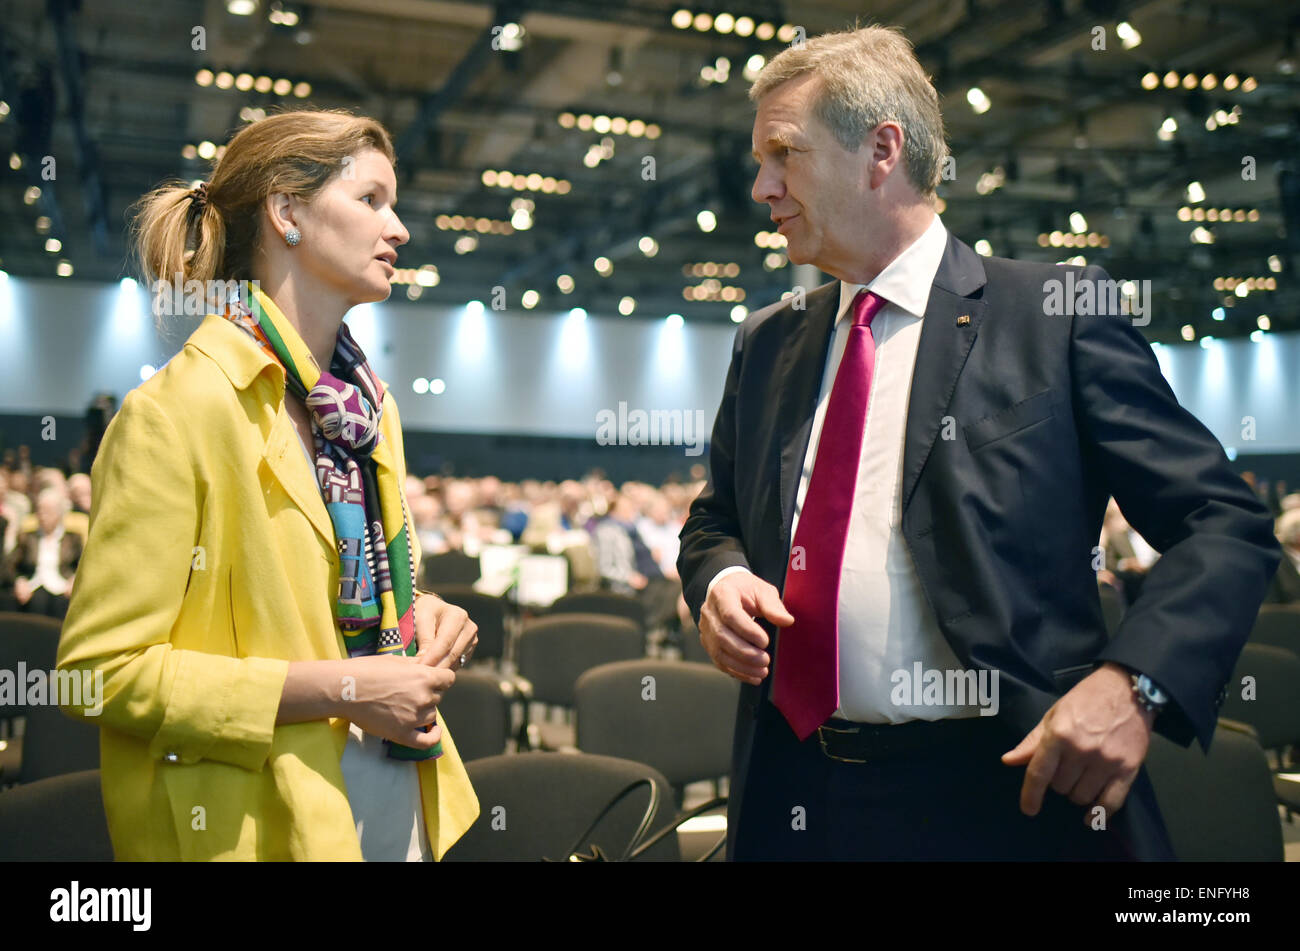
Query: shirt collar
[906, 280]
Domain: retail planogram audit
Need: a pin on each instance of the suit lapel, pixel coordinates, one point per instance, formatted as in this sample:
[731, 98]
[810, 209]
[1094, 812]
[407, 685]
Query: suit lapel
[803, 362]
[948, 330]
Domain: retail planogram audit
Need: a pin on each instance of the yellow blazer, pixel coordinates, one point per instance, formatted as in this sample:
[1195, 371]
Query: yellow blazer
[210, 563]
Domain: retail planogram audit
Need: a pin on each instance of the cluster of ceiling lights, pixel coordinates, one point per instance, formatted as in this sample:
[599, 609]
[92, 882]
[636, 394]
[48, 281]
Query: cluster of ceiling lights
[1221, 118]
[726, 23]
[711, 269]
[1241, 286]
[769, 239]
[205, 150]
[245, 82]
[532, 182]
[599, 152]
[601, 124]
[713, 290]
[1217, 214]
[991, 181]
[470, 223]
[1066, 239]
[1172, 80]
[424, 276]
[31, 196]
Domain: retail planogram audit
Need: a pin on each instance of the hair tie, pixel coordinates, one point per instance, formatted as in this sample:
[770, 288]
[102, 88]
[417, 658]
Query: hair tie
[199, 195]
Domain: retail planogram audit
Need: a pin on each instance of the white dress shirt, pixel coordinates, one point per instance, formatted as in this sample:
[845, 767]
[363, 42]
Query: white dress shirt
[885, 623]
[47, 563]
[384, 793]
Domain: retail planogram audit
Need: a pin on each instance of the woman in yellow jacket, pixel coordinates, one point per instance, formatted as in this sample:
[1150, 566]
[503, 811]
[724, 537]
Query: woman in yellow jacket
[270, 675]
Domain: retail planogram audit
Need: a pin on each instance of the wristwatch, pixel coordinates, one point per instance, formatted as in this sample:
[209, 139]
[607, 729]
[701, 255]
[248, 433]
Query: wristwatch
[1151, 697]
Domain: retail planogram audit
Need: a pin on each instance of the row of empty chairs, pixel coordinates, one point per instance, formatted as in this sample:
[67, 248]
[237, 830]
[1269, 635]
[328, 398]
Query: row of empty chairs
[533, 806]
[536, 805]
[675, 719]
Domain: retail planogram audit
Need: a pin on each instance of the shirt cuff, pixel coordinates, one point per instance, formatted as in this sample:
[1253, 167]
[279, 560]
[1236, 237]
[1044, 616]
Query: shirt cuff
[221, 708]
[722, 574]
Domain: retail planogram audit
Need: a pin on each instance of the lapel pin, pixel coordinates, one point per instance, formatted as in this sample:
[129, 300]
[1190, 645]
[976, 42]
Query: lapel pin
[963, 320]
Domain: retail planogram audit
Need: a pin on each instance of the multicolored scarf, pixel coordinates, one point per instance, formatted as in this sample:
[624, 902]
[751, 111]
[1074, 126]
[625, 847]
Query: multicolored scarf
[374, 605]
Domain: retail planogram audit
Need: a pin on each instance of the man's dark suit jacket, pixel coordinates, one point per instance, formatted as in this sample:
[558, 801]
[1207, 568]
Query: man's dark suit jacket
[1019, 427]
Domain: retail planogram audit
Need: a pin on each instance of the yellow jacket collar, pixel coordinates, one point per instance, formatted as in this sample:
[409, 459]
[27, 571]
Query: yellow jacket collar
[234, 351]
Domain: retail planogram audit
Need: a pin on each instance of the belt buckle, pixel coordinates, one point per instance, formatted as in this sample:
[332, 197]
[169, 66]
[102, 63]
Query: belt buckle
[821, 738]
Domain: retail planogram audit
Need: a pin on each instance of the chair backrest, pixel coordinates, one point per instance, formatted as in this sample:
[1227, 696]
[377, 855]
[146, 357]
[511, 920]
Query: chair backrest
[477, 708]
[692, 646]
[535, 805]
[1112, 607]
[601, 602]
[60, 819]
[449, 567]
[1220, 806]
[555, 650]
[676, 716]
[55, 744]
[487, 612]
[1265, 692]
[1278, 625]
[31, 640]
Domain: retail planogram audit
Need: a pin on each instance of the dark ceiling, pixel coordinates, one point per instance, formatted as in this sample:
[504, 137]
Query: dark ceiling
[111, 91]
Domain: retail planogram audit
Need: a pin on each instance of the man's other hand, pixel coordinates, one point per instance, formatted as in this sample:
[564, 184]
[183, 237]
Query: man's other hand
[1088, 747]
[728, 629]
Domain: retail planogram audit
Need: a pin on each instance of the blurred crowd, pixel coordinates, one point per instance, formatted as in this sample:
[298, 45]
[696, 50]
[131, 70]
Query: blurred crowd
[1127, 558]
[622, 538]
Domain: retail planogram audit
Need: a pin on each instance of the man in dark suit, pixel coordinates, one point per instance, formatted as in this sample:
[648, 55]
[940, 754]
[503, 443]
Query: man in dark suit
[895, 550]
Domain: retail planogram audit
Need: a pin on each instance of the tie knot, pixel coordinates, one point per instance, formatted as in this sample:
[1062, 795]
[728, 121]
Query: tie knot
[865, 307]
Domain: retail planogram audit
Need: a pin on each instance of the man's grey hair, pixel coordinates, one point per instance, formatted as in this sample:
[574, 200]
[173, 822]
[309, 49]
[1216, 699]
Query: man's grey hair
[868, 76]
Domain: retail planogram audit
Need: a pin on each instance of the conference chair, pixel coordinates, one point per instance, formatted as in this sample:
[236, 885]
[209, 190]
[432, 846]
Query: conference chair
[1274, 710]
[601, 602]
[554, 651]
[1112, 607]
[1272, 705]
[1278, 625]
[1220, 806]
[449, 567]
[673, 715]
[487, 612]
[59, 819]
[537, 805]
[692, 647]
[479, 710]
[33, 641]
[55, 744]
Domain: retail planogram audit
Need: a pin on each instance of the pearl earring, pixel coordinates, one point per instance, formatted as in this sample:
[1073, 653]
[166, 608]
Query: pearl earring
[292, 237]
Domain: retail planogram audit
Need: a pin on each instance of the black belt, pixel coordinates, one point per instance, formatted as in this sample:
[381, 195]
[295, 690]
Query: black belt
[849, 742]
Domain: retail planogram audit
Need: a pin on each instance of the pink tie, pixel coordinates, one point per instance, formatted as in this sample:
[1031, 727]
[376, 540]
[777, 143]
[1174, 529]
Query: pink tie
[805, 685]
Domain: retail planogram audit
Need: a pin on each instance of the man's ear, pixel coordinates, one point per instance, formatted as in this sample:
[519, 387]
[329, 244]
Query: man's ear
[886, 144]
